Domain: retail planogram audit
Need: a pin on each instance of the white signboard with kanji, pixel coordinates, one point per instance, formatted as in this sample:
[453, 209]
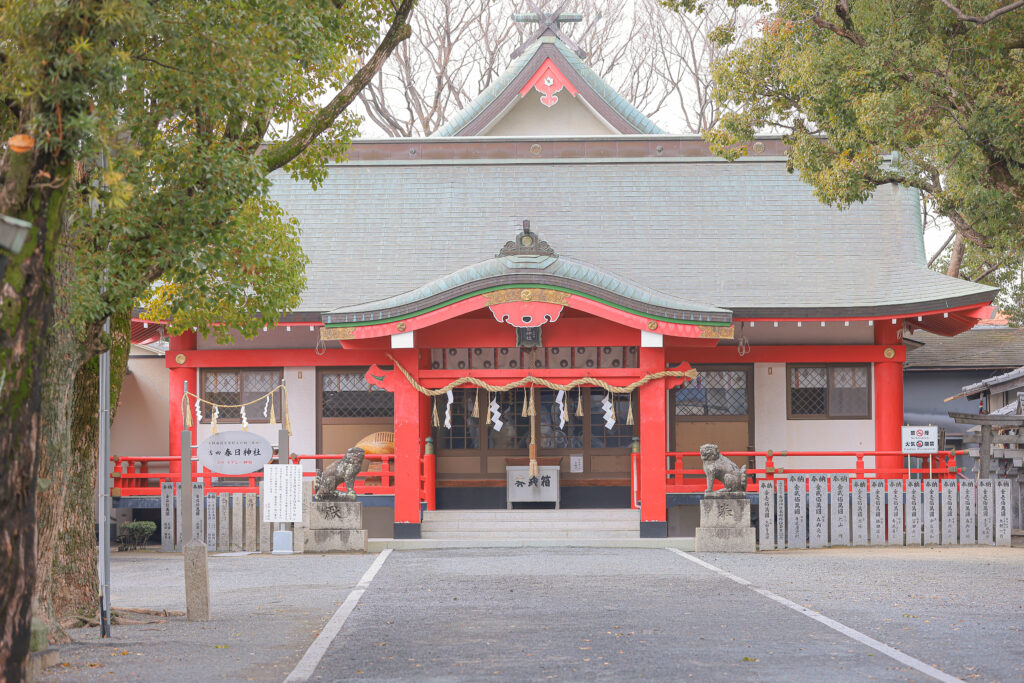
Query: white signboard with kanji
[235, 452]
[282, 493]
[920, 439]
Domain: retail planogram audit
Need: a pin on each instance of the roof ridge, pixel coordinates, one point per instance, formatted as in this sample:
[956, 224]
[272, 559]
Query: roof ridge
[619, 104]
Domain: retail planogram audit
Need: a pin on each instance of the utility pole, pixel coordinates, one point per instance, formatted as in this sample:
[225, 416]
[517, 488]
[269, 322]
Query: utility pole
[103, 489]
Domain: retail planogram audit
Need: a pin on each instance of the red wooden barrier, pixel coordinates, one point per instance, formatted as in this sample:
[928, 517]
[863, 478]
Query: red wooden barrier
[681, 480]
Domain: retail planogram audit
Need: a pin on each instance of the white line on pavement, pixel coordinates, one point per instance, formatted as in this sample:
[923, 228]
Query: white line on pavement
[307, 665]
[892, 652]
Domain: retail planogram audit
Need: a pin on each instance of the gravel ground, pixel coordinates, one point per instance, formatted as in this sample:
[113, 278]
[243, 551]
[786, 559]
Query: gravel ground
[960, 609]
[571, 614]
[265, 609]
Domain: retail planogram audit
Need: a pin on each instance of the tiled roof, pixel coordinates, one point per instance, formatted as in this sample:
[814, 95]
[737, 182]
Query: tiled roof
[985, 348]
[553, 270]
[614, 100]
[745, 236]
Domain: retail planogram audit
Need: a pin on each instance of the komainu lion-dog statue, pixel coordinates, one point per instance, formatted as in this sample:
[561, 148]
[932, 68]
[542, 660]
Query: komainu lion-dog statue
[733, 478]
[344, 470]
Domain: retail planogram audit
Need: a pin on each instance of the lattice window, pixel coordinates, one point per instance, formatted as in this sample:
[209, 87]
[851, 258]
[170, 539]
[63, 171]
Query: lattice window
[619, 436]
[465, 431]
[240, 386]
[713, 392]
[848, 394]
[551, 436]
[829, 391]
[348, 394]
[515, 433]
[808, 391]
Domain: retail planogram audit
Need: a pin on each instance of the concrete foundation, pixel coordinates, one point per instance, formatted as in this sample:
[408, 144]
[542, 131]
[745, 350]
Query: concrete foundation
[725, 525]
[335, 526]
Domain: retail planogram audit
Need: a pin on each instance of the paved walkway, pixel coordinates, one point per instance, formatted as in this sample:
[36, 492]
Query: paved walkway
[576, 614]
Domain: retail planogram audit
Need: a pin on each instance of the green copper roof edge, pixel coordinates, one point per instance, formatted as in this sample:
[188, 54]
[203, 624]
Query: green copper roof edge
[383, 321]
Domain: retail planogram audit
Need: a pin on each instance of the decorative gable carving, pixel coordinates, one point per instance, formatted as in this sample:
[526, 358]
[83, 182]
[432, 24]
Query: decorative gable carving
[548, 80]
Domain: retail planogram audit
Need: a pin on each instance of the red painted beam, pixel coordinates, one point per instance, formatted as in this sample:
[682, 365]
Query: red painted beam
[864, 353]
[488, 333]
[273, 358]
[620, 377]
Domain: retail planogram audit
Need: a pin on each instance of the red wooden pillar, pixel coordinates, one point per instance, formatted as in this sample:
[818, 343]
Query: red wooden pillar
[653, 514]
[888, 398]
[407, 448]
[179, 345]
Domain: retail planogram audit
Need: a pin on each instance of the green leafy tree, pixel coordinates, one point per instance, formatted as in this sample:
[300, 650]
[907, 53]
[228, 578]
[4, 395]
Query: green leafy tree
[141, 138]
[923, 93]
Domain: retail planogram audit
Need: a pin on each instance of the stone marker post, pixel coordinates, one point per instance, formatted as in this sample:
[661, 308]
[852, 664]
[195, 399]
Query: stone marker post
[949, 508]
[797, 511]
[895, 512]
[913, 512]
[1003, 512]
[967, 513]
[197, 571]
[780, 513]
[876, 492]
[840, 517]
[766, 514]
[986, 512]
[819, 511]
[859, 497]
[931, 512]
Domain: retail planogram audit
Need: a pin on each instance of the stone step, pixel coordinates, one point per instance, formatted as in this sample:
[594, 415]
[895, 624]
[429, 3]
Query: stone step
[530, 525]
[375, 545]
[572, 514]
[547, 533]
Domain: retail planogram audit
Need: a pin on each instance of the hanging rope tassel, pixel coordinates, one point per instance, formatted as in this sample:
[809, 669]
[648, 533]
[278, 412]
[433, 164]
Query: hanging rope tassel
[213, 420]
[287, 411]
[531, 403]
[579, 403]
[188, 415]
[488, 408]
[629, 415]
[437, 422]
[526, 403]
[476, 405]
[565, 409]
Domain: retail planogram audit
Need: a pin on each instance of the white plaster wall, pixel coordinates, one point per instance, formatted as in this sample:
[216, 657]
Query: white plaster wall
[302, 411]
[300, 337]
[141, 422]
[766, 334]
[773, 431]
[568, 116]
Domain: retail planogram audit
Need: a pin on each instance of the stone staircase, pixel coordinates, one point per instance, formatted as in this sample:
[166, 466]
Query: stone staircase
[604, 524]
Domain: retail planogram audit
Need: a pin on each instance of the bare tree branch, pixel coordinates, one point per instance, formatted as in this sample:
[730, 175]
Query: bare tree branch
[278, 155]
[994, 14]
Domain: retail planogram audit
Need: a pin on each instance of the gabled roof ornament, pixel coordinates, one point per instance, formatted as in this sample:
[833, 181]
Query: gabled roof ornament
[527, 244]
[549, 23]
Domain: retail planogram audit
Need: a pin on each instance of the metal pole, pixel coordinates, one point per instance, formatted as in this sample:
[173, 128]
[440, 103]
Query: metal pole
[103, 489]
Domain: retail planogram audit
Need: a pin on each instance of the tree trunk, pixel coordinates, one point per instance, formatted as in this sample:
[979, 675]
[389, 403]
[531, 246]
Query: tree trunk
[73, 584]
[26, 303]
[956, 257]
[63, 360]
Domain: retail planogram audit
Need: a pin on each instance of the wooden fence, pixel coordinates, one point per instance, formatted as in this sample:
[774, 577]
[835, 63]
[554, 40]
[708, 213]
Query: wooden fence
[834, 510]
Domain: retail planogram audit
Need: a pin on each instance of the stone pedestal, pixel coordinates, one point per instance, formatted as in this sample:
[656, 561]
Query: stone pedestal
[335, 526]
[725, 525]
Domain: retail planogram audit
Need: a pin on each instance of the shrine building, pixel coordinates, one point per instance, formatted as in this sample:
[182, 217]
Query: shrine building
[551, 232]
